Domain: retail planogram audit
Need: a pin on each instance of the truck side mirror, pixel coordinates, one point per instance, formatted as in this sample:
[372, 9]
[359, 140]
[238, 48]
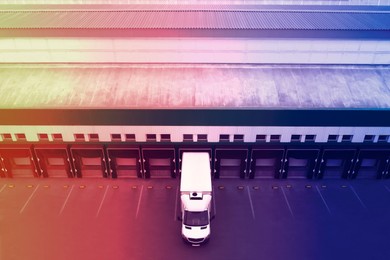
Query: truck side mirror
[212, 217]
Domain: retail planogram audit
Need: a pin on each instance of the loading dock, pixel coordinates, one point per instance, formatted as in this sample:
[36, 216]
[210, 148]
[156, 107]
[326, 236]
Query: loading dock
[230, 162]
[124, 161]
[159, 162]
[18, 161]
[371, 164]
[3, 173]
[387, 173]
[266, 163]
[336, 163]
[53, 160]
[89, 161]
[300, 163]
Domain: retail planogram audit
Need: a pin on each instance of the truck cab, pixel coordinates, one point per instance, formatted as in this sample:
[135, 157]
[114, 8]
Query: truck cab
[196, 217]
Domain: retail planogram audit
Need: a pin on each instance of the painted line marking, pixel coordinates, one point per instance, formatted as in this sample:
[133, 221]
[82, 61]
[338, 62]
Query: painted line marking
[288, 204]
[28, 200]
[357, 196]
[1, 248]
[5, 185]
[323, 200]
[387, 188]
[139, 201]
[66, 200]
[250, 201]
[101, 203]
[215, 206]
[177, 195]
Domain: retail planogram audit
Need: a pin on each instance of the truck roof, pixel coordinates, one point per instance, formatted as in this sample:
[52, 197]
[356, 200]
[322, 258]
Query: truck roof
[195, 172]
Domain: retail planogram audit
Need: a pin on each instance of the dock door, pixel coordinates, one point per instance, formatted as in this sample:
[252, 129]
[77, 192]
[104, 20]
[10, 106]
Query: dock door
[300, 163]
[336, 163]
[231, 162]
[54, 160]
[266, 163]
[124, 161]
[371, 164]
[89, 161]
[18, 161]
[159, 162]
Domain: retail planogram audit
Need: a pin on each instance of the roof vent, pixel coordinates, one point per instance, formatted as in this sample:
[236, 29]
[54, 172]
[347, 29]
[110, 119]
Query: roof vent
[196, 196]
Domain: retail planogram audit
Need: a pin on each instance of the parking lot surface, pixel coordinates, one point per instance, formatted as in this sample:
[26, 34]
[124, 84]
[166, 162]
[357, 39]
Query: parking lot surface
[137, 219]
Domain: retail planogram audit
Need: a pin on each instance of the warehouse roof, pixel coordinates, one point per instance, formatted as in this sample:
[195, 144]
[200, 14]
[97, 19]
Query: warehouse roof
[195, 19]
[194, 86]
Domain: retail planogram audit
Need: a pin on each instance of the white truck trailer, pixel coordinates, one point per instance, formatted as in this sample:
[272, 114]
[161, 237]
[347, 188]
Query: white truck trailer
[195, 194]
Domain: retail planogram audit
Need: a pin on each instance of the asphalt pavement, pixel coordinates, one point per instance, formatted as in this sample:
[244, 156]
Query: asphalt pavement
[137, 219]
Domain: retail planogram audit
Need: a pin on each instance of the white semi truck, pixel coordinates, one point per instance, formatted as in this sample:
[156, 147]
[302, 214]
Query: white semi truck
[195, 194]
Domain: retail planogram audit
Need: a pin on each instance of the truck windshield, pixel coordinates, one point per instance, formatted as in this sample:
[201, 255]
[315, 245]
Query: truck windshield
[193, 218]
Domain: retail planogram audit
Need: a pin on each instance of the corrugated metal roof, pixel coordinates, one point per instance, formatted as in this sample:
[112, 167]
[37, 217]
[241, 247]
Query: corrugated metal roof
[195, 19]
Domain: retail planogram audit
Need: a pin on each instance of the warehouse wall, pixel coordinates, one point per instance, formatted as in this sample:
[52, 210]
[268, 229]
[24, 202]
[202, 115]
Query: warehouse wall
[194, 50]
[211, 133]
